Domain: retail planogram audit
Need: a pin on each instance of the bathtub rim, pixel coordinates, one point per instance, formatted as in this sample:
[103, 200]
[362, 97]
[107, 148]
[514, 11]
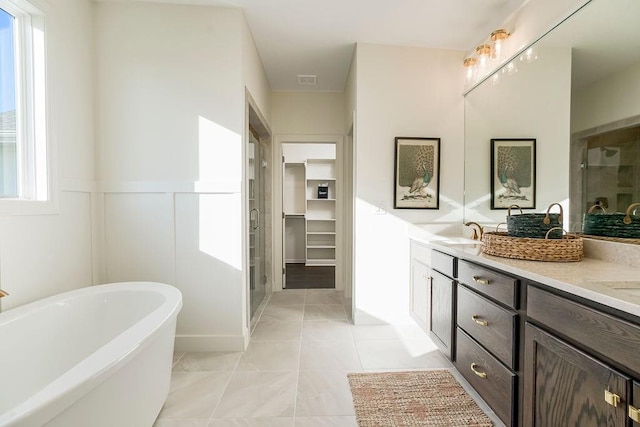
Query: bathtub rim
[66, 389]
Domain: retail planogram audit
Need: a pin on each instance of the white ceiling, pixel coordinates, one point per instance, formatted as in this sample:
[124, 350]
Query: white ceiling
[318, 37]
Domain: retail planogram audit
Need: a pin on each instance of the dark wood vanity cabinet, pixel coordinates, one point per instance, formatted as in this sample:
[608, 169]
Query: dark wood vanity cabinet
[568, 387]
[634, 408]
[441, 312]
[442, 301]
[579, 364]
[537, 356]
[487, 352]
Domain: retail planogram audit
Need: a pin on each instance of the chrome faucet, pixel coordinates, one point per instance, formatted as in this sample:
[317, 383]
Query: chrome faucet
[477, 231]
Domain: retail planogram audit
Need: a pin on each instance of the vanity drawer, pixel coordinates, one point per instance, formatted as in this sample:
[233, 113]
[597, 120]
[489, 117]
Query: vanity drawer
[495, 285]
[445, 264]
[491, 325]
[615, 339]
[490, 378]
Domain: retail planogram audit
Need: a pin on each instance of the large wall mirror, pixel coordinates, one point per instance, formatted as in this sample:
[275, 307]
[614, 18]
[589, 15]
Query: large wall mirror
[576, 91]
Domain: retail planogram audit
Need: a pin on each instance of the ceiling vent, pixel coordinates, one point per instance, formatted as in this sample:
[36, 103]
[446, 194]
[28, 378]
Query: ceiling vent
[307, 79]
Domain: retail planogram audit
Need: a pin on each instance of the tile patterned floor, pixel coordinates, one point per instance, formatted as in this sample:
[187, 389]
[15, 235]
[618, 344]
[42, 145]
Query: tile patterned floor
[293, 373]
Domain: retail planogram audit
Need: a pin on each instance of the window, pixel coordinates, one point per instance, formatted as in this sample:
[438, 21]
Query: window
[8, 151]
[24, 167]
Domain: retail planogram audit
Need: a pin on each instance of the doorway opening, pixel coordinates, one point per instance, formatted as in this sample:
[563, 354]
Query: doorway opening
[309, 215]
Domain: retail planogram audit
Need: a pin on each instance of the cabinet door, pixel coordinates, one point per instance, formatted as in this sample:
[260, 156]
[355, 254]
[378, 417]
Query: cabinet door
[634, 408]
[567, 387]
[442, 312]
[420, 293]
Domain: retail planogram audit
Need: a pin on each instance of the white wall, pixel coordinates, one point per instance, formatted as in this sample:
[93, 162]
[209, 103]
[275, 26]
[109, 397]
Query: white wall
[298, 153]
[253, 75]
[540, 110]
[400, 92]
[613, 98]
[41, 255]
[308, 113]
[171, 129]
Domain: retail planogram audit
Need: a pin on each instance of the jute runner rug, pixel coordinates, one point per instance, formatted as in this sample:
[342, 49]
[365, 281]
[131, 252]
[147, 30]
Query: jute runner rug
[413, 398]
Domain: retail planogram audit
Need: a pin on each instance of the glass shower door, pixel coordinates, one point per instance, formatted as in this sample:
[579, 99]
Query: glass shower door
[257, 274]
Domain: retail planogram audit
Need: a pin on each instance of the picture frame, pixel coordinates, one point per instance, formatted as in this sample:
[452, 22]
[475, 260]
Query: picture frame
[417, 173]
[513, 173]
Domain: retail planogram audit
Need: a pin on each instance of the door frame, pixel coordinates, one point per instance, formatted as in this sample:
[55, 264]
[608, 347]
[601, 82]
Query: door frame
[277, 185]
[253, 117]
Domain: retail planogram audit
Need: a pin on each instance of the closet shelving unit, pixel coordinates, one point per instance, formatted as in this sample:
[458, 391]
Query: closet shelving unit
[301, 203]
[320, 213]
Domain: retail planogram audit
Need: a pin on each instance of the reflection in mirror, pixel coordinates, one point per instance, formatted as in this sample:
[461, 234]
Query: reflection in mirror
[531, 103]
[611, 163]
[583, 88]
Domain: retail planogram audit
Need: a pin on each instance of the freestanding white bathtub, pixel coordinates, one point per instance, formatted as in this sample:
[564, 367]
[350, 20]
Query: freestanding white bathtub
[93, 357]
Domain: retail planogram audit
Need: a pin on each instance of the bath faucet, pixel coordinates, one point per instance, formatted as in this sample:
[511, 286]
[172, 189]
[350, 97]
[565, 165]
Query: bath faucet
[477, 231]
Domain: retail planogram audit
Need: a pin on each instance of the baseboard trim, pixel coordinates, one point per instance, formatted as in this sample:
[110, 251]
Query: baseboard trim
[210, 343]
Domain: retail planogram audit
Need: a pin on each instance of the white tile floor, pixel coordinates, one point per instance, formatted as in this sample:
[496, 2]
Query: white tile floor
[294, 371]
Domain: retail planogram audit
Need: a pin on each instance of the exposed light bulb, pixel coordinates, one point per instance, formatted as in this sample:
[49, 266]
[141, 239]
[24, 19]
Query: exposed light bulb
[498, 37]
[484, 54]
[471, 70]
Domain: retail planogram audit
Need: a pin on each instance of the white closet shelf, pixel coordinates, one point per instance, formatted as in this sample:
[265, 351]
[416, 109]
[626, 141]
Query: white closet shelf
[330, 233]
[328, 262]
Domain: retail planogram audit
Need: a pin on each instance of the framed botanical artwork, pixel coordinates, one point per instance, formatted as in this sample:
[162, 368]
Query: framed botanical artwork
[513, 173]
[417, 173]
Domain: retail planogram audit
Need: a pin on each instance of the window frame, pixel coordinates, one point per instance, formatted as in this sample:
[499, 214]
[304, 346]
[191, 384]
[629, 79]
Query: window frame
[33, 148]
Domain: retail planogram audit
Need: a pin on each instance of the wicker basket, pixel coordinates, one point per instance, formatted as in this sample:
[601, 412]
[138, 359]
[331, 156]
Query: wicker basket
[568, 249]
[535, 225]
[625, 225]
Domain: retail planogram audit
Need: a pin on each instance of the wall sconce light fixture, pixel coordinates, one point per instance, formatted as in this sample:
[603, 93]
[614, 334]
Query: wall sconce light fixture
[476, 66]
[484, 53]
[498, 38]
[470, 67]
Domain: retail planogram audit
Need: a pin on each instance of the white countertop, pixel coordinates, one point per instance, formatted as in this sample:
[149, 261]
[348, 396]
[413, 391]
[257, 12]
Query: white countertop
[608, 283]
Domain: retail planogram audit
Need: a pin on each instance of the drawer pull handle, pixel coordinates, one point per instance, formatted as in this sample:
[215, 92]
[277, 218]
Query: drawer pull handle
[480, 280]
[475, 370]
[611, 398]
[479, 321]
[634, 414]
[426, 277]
